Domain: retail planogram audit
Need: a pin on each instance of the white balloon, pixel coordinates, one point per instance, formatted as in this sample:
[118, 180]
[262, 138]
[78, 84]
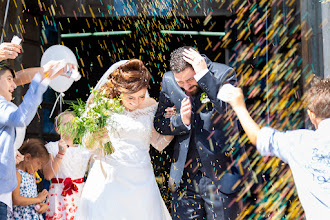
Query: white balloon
[60, 52]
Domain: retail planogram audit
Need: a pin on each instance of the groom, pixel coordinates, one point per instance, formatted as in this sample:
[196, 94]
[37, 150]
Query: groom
[206, 174]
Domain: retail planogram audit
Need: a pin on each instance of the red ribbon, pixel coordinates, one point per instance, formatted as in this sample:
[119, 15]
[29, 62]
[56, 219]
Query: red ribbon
[69, 185]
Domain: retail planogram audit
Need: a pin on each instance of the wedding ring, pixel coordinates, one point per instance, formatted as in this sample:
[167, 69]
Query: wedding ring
[11, 48]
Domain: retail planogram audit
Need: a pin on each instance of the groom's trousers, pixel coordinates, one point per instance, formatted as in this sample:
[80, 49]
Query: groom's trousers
[200, 199]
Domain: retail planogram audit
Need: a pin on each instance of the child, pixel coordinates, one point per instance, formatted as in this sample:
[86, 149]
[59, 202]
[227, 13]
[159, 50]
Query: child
[306, 151]
[11, 117]
[28, 204]
[66, 170]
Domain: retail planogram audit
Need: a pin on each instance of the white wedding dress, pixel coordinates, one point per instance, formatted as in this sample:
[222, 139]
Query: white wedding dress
[129, 191]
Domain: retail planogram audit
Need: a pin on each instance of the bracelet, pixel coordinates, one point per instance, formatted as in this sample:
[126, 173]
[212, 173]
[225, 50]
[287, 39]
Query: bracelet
[167, 141]
[60, 153]
[60, 157]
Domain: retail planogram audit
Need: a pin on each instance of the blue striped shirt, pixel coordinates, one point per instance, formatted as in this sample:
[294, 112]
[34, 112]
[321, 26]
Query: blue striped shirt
[11, 117]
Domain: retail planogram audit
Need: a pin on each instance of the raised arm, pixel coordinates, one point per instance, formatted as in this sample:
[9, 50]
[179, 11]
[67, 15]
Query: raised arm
[211, 82]
[26, 75]
[210, 77]
[269, 141]
[23, 115]
[51, 168]
[236, 100]
[9, 51]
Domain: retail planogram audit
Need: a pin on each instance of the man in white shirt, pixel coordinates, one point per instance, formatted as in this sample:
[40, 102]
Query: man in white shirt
[306, 151]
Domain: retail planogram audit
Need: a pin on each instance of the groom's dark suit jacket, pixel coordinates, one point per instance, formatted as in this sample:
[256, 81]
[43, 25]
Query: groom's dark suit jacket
[208, 145]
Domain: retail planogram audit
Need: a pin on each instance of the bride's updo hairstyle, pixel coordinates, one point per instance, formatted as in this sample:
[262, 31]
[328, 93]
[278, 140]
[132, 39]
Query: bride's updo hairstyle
[129, 78]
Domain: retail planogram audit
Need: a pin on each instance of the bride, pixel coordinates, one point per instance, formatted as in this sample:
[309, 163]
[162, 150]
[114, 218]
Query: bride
[122, 185]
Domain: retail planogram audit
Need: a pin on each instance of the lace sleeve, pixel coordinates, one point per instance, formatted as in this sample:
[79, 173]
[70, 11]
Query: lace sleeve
[160, 141]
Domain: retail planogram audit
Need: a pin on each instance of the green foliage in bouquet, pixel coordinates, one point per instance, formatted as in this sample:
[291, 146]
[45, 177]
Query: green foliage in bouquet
[93, 118]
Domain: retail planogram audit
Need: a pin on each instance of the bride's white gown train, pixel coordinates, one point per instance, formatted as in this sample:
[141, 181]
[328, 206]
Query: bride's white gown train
[129, 190]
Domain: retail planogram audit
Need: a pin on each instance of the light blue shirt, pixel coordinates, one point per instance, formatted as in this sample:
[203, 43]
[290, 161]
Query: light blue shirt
[308, 154]
[11, 117]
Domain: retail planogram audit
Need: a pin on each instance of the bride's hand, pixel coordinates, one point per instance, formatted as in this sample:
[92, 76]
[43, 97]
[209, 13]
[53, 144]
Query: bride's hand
[102, 135]
[169, 111]
[96, 139]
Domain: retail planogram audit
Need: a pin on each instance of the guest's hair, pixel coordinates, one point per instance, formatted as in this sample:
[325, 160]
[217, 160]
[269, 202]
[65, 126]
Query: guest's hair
[4, 67]
[59, 117]
[317, 98]
[35, 147]
[130, 78]
[177, 63]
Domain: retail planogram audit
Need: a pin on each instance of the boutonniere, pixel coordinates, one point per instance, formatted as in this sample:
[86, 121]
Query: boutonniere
[205, 100]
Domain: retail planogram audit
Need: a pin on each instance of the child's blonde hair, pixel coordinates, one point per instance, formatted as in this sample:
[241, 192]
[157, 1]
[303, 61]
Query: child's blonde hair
[59, 118]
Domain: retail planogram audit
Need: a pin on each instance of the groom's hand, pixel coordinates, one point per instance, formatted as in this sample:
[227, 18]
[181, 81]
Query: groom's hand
[169, 111]
[185, 111]
[195, 60]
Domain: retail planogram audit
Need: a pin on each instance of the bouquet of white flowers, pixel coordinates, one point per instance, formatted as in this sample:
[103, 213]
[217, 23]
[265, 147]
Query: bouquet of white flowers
[90, 120]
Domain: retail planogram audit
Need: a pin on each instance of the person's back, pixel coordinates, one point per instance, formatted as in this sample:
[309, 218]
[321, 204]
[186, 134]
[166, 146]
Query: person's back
[306, 151]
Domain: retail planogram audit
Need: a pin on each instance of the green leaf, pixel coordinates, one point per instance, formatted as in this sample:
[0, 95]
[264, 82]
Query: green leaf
[95, 117]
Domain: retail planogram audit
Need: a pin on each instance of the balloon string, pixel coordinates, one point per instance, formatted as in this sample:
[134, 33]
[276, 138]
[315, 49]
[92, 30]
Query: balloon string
[61, 100]
[60, 97]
